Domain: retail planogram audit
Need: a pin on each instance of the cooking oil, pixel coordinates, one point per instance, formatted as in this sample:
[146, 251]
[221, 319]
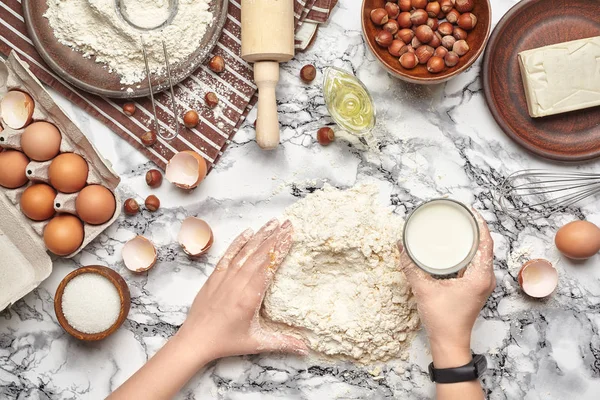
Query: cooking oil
[348, 101]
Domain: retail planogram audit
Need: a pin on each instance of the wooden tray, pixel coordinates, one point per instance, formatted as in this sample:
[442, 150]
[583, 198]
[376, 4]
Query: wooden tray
[573, 136]
[88, 75]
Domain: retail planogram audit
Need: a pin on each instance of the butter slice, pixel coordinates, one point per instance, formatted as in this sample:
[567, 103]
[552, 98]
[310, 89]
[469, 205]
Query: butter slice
[561, 77]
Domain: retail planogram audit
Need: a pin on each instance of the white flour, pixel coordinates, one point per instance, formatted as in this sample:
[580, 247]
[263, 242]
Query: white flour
[94, 28]
[340, 288]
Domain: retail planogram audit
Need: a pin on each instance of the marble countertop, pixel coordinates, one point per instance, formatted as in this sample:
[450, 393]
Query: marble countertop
[433, 141]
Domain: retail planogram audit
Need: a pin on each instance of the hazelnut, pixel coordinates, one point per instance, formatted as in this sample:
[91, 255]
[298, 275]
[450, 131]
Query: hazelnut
[211, 99]
[433, 9]
[464, 5]
[424, 34]
[451, 59]
[440, 52]
[418, 4]
[308, 73]
[395, 47]
[154, 178]
[152, 203]
[404, 20]
[379, 16]
[384, 38]
[217, 64]
[446, 28]
[406, 49]
[448, 42]
[392, 9]
[131, 207]
[405, 5]
[415, 43]
[433, 23]
[325, 136]
[424, 53]
[459, 33]
[419, 17]
[129, 109]
[148, 138]
[446, 6]
[452, 16]
[391, 26]
[409, 60]
[191, 119]
[467, 21]
[436, 41]
[435, 65]
[406, 35]
[461, 47]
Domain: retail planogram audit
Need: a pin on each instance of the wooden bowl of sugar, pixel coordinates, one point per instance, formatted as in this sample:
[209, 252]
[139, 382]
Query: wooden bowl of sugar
[92, 302]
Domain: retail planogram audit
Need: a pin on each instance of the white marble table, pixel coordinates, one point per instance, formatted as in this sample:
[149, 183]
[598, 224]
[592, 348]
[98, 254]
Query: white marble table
[434, 141]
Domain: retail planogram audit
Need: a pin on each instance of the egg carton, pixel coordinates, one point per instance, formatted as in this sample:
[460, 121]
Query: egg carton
[15, 227]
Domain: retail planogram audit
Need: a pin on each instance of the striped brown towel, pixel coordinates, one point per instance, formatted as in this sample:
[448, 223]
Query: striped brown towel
[210, 138]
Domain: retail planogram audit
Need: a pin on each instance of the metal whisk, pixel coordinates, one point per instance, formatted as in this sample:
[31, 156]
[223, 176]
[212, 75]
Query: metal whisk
[537, 193]
[173, 7]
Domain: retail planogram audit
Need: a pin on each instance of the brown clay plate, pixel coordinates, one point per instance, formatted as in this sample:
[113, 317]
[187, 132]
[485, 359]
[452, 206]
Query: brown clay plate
[573, 136]
[93, 77]
[476, 39]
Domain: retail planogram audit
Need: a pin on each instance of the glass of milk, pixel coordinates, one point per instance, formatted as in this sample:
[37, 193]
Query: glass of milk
[441, 236]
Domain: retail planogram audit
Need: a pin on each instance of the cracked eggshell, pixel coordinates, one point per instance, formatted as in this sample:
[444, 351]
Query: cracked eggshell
[16, 109]
[186, 169]
[538, 278]
[195, 236]
[139, 254]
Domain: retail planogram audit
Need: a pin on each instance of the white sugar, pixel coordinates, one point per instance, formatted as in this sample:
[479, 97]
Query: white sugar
[91, 303]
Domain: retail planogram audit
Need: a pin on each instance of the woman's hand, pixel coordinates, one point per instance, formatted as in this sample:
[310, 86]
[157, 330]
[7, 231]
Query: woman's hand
[223, 320]
[449, 307]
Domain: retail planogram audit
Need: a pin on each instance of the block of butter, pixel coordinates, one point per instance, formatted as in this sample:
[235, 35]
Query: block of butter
[562, 77]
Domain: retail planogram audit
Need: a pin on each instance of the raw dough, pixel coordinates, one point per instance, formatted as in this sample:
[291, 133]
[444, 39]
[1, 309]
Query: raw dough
[340, 288]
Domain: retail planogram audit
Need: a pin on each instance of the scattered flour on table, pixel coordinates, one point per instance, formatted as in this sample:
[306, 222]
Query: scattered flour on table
[340, 288]
[94, 28]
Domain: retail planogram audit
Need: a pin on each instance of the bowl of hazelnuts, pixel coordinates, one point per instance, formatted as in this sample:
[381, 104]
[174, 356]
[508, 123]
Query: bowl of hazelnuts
[426, 41]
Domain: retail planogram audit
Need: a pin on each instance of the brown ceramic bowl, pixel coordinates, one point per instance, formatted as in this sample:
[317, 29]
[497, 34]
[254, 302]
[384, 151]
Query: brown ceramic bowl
[124, 296]
[476, 39]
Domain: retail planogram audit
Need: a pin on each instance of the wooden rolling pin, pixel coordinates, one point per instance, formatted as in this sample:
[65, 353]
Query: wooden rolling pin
[267, 40]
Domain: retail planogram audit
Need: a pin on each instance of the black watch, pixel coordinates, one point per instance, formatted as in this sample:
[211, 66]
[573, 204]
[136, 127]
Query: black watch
[469, 372]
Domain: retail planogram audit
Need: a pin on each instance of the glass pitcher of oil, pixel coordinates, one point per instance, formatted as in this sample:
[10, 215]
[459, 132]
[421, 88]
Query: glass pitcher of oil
[348, 101]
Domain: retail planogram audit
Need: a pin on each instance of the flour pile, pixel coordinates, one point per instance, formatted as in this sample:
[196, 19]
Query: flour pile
[340, 289]
[95, 28]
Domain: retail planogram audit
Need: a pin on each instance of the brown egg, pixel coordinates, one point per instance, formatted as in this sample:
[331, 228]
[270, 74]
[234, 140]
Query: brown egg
[63, 234]
[68, 173]
[41, 141]
[13, 166]
[578, 240]
[95, 204]
[37, 202]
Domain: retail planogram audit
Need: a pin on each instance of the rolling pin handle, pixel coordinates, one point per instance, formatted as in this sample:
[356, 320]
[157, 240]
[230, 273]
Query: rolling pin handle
[266, 76]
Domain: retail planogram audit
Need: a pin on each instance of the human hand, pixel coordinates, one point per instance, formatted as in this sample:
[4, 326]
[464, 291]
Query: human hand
[223, 320]
[448, 308]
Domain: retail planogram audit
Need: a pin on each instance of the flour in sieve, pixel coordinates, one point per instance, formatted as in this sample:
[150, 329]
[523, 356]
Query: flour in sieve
[340, 288]
[94, 28]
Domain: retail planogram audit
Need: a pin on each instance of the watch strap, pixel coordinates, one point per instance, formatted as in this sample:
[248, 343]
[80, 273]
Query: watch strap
[465, 373]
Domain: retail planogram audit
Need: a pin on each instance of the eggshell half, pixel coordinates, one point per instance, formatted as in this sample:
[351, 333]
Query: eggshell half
[139, 254]
[16, 109]
[538, 278]
[195, 236]
[186, 169]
